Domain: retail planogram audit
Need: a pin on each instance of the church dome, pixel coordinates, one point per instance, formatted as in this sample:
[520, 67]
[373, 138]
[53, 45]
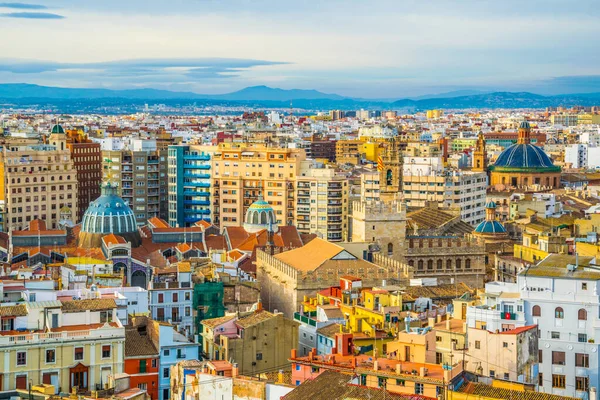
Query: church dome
[490, 227]
[108, 214]
[57, 129]
[260, 215]
[524, 125]
[524, 156]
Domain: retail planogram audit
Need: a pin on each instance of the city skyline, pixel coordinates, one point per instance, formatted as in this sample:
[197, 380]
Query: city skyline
[382, 50]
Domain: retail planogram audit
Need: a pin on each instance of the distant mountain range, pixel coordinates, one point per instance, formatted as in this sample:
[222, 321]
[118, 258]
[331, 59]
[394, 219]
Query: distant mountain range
[22, 93]
[253, 93]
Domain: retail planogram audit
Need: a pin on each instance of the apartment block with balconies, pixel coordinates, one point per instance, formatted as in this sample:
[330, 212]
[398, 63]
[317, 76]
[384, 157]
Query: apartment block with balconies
[322, 203]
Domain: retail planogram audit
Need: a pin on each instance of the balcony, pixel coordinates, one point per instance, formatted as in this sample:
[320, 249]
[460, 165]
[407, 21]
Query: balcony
[153, 161]
[196, 166]
[200, 157]
[197, 212]
[304, 319]
[56, 337]
[303, 193]
[197, 202]
[196, 176]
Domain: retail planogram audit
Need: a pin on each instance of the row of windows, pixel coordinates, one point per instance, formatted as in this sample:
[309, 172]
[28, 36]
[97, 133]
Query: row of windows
[50, 356]
[42, 179]
[439, 263]
[560, 382]
[175, 297]
[559, 313]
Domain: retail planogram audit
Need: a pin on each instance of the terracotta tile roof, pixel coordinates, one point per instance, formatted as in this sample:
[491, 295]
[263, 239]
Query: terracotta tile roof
[19, 310]
[138, 345]
[215, 242]
[331, 385]
[310, 256]
[158, 223]
[329, 330]
[253, 319]
[37, 225]
[203, 224]
[113, 239]
[213, 322]
[516, 331]
[236, 235]
[184, 247]
[88, 304]
[488, 391]
[235, 254]
[437, 292]
[290, 237]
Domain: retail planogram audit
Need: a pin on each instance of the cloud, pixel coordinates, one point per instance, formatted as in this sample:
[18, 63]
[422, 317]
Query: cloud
[31, 15]
[155, 72]
[23, 6]
[190, 66]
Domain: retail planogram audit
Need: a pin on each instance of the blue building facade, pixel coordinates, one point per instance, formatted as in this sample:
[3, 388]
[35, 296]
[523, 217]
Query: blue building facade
[189, 185]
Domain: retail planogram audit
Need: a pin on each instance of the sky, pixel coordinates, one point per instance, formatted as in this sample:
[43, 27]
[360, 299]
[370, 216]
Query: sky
[369, 49]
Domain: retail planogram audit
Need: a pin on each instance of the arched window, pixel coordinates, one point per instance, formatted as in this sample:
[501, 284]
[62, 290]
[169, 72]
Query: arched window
[429, 264]
[468, 263]
[440, 264]
[458, 264]
[448, 264]
[458, 243]
[388, 177]
[390, 249]
[582, 314]
[411, 263]
[411, 243]
[536, 311]
[559, 313]
[430, 243]
[439, 243]
[420, 243]
[420, 265]
[263, 218]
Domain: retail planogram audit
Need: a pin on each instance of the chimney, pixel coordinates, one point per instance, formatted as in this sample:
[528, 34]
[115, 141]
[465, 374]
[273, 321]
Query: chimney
[422, 372]
[438, 318]
[398, 368]
[354, 362]
[259, 306]
[235, 370]
[448, 324]
[431, 322]
[294, 354]
[313, 353]
[375, 365]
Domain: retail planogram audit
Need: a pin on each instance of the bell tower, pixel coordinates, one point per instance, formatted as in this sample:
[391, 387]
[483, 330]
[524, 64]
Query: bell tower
[480, 155]
[389, 165]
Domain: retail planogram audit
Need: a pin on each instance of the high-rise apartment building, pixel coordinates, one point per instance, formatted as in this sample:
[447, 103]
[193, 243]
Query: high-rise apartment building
[38, 182]
[141, 174]
[425, 180]
[190, 187]
[322, 203]
[87, 160]
[219, 183]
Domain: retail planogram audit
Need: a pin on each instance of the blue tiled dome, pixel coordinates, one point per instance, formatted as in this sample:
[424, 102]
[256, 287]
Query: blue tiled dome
[524, 156]
[108, 214]
[524, 125]
[490, 227]
[490, 204]
[260, 215]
